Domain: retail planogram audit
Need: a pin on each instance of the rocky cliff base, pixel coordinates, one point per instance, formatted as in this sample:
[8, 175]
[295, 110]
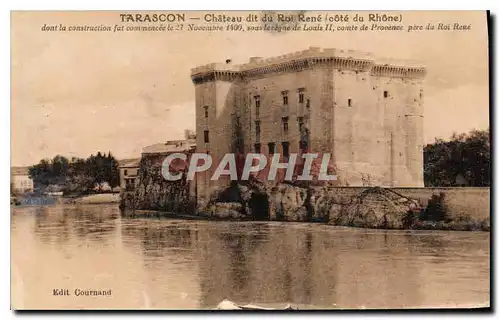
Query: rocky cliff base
[375, 207]
[153, 192]
[255, 200]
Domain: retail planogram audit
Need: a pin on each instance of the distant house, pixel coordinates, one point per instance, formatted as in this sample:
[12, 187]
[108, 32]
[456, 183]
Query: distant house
[169, 147]
[20, 180]
[128, 173]
[156, 153]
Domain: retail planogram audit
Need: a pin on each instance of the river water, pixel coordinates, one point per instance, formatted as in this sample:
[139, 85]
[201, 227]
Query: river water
[183, 264]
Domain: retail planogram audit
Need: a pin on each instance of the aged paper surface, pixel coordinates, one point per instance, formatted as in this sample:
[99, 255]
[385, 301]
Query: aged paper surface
[108, 108]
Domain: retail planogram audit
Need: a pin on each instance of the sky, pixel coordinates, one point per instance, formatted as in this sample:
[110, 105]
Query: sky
[76, 93]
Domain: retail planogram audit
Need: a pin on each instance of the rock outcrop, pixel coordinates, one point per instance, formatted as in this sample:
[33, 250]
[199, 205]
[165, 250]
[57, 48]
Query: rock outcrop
[374, 208]
[153, 192]
[364, 207]
[356, 207]
[226, 210]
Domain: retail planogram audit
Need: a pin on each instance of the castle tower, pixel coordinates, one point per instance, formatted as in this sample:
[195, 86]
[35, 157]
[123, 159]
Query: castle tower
[215, 107]
[414, 115]
[366, 112]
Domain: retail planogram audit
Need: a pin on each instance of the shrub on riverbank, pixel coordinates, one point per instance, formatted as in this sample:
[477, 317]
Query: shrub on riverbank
[436, 217]
[436, 209]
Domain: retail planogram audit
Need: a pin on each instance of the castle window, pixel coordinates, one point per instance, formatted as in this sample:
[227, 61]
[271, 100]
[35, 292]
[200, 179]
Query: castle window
[257, 106]
[301, 95]
[284, 121]
[257, 130]
[125, 172]
[301, 123]
[386, 94]
[206, 111]
[271, 145]
[349, 102]
[257, 148]
[285, 146]
[206, 136]
[285, 97]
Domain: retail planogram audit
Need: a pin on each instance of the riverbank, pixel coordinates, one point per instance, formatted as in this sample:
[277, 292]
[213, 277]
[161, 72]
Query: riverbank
[162, 214]
[359, 207]
[101, 198]
[463, 224]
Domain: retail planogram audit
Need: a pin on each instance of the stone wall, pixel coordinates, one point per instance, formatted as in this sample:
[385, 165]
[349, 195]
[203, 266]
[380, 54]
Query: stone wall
[461, 201]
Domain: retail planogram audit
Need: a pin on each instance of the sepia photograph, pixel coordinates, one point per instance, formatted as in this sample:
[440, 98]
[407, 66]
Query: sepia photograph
[250, 160]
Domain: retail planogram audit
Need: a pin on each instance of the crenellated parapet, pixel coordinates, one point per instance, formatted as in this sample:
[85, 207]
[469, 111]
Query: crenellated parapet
[215, 75]
[398, 71]
[353, 64]
[306, 59]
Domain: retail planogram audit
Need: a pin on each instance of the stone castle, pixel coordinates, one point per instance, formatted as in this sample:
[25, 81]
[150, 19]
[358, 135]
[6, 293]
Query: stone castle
[365, 111]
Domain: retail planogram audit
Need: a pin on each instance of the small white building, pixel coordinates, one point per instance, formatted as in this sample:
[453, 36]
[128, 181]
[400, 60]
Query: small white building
[128, 174]
[20, 180]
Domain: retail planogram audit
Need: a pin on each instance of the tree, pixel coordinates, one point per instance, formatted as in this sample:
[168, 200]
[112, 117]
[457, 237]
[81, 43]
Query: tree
[77, 175]
[113, 173]
[465, 155]
[80, 178]
[60, 166]
[49, 172]
[40, 173]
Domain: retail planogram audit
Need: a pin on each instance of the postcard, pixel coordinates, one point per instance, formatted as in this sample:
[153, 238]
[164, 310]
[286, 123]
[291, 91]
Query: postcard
[250, 160]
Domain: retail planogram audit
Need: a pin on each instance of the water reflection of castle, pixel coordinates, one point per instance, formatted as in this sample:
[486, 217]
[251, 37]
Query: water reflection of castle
[158, 263]
[261, 264]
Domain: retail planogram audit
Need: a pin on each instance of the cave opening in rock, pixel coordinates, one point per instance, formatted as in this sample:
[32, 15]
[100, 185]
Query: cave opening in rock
[259, 206]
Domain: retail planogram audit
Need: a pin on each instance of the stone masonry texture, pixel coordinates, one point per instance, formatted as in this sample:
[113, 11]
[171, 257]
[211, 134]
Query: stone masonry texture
[366, 112]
